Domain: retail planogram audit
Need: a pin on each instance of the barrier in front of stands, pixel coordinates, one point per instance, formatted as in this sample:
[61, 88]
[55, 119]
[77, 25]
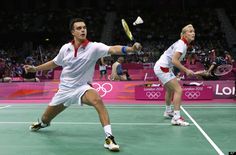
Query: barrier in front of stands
[158, 93]
[108, 90]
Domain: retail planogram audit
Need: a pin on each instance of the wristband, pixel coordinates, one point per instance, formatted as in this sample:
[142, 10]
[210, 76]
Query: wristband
[124, 49]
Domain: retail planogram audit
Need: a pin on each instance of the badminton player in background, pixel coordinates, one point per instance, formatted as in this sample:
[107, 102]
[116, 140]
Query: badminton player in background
[221, 65]
[102, 69]
[172, 57]
[78, 59]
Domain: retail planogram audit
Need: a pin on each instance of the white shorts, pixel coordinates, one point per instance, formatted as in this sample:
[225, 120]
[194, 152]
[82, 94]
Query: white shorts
[70, 96]
[163, 76]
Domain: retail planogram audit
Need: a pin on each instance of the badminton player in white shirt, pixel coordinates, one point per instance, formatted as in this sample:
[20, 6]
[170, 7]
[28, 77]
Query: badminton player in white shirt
[78, 59]
[172, 57]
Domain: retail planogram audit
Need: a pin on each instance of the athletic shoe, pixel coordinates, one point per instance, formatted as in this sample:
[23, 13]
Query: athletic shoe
[179, 122]
[111, 144]
[169, 114]
[38, 125]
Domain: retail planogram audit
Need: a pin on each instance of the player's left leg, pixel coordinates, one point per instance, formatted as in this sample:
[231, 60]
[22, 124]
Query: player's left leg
[48, 115]
[91, 97]
[168, 113]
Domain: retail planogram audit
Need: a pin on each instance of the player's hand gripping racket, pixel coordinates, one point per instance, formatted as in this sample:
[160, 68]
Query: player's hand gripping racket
[127, 30]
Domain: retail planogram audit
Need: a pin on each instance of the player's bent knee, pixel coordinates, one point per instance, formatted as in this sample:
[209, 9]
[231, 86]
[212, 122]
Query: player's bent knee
[179, 90]
[97, 101]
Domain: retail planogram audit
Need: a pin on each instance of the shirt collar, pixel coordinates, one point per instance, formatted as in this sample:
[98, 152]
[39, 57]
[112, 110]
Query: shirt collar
[83, 44]
[185, 41]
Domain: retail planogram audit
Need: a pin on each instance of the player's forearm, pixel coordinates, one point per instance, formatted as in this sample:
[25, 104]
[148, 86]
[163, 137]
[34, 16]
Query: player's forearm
[46, 66]
[118, 50]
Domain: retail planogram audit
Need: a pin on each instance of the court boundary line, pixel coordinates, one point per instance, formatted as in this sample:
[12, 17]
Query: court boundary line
[218, 150]
[22, 106]
[96, 123]
[5, 107]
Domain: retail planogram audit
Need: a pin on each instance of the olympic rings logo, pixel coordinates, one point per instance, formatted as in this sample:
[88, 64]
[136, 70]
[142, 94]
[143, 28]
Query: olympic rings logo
[103, 89]
[153, 95]
[192, 94]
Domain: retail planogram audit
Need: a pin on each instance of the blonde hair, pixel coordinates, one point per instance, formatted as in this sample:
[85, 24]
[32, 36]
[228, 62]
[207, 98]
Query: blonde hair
[185, 29]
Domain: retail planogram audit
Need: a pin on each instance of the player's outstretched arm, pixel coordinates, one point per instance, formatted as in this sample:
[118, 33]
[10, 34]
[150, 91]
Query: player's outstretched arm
[46, 66]
[118, 49]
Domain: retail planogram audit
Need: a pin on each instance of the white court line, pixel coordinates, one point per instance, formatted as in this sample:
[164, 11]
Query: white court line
[5, 107]
[185, 105]
[210, 107]
[203, 133]
[95, 123]
[138, 106]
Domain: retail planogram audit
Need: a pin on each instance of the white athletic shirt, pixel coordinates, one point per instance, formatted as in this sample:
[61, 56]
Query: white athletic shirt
[102, 67]
[166, 58]
[79, 70]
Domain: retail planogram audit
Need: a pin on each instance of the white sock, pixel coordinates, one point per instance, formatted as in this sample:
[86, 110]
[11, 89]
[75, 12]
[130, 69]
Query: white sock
[43, 124]
[168, 108]
[107, 130]
[176, 114]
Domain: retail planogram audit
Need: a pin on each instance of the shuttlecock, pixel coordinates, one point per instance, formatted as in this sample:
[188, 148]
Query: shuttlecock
[138, 21]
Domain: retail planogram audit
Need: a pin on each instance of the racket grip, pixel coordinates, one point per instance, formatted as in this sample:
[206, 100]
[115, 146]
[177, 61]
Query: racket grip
[133, 41]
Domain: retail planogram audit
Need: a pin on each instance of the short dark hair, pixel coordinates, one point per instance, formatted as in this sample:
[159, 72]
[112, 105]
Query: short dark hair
[74, 20]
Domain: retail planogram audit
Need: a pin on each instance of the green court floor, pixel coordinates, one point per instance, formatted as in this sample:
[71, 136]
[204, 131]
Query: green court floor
[139, 130]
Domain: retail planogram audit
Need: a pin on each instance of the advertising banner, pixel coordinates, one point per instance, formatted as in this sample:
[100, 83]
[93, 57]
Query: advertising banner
[129, 90]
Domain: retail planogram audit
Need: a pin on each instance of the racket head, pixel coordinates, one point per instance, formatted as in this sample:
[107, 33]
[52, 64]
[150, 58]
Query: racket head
[127, 30]
[223, 69]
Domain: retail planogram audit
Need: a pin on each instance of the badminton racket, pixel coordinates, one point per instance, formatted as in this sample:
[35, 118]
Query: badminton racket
[127, 30]
[223, 70]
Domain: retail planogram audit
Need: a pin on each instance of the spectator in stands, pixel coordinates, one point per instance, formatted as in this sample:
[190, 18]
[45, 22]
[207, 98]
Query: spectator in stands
[18, 70]
[172, 57]
[228, 58]
[103, 69]
[206, 58]
[192, 57]
[118, 73]
[78, 59]
[5, 71]
[2, 69]
[29, 76]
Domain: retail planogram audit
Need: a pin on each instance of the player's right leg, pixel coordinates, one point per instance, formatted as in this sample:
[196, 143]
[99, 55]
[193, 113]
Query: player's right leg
[168, 113]
[165, 76]
[49, 114]
[175, 86]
